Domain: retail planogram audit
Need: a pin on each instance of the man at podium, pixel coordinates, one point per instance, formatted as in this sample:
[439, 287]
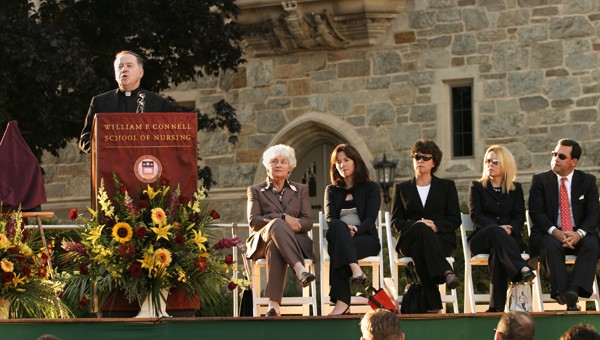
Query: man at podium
[129, 97]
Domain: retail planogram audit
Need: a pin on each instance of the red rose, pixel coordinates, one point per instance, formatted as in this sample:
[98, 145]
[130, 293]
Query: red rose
[179, 238]
[123, 189]
[127, 250]
[135, 269]
[26, 270]
[13, 250]
[20, 257]
[143, 204]
[164, 181]
[229, 259]
[83, 302]
[73, 214]
[7, 276]
[214, 214]
[183, 200]
[232, 285]
[140, 232]
[83, 268]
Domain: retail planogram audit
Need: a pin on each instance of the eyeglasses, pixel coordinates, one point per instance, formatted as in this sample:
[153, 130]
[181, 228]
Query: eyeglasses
[562, 156]
[419, 157]
[494, 161]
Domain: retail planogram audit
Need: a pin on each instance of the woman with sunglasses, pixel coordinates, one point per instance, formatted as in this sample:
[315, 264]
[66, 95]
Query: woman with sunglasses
[352, 202]
[497, 209]
[427, 214]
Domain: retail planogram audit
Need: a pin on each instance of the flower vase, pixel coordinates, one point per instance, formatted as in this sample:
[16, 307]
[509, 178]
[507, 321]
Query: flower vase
[4, 308]
[148, 310]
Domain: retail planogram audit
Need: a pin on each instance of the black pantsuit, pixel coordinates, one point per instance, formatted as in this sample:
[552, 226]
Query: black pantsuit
[543, 209]
[489, 210]
[428, 249]
[344, 249]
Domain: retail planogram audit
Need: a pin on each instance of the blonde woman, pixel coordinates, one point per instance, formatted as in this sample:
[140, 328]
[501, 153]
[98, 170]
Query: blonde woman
[497, 208]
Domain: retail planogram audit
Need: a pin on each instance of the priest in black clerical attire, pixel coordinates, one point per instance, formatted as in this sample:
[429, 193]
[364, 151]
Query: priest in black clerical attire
[129, 97]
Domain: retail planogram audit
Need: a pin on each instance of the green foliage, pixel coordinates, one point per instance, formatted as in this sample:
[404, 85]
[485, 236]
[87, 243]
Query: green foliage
[56, 59]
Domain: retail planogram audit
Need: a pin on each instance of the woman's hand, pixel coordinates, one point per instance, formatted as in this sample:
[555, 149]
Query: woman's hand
[507, 228]
[294, 223]
[353, 229]
[430, 224]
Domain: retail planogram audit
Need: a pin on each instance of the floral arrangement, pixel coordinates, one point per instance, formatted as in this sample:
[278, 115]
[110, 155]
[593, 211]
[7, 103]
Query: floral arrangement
[25, 287]
[162, 242]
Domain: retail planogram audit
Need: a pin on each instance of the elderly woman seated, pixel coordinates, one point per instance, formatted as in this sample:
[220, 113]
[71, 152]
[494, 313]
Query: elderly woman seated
[279, 215]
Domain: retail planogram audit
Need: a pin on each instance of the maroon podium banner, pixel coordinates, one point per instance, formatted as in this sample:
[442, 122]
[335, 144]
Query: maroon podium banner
[142, 149]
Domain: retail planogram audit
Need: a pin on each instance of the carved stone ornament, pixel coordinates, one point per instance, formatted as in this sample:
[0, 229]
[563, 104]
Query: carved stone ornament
[290, 26]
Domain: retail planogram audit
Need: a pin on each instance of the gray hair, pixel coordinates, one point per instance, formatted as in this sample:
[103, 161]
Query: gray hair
[279, 150]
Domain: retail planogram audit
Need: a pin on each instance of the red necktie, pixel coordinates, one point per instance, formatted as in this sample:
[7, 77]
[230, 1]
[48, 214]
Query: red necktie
[565, 207]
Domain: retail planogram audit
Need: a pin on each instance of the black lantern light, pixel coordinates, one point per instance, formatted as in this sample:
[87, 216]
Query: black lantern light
[386, 171]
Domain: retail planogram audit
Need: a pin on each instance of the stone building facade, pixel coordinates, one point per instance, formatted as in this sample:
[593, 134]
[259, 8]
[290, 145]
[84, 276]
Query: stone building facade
[379, 74]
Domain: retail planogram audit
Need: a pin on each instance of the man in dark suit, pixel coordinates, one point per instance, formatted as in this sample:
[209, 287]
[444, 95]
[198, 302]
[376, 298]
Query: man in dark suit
[564, 210]
[129, 97]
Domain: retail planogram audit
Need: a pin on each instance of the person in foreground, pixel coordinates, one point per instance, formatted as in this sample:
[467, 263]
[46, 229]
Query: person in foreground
[515, 326]
[279, 216]
[580, 331]
[129, 97]
[381, 324]
[564, 210]
[352, 203]
[497, 208]
[427, 214]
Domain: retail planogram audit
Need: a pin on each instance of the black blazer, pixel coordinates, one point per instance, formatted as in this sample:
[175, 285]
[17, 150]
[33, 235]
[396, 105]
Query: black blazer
[368, 202]
[544, 204]
[110, 102]
[490, 209]
[441, 207]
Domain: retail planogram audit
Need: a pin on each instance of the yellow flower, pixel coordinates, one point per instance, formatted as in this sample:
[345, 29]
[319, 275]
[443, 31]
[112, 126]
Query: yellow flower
[182, 277]
[162, 257]
[158, 216]
[6, 265]
[147, 260]
[17, 280]
[95, 234]
[122, 232]
[151, 193]
[162, 232]
[199, 240]
[26, 250]
[4, 242]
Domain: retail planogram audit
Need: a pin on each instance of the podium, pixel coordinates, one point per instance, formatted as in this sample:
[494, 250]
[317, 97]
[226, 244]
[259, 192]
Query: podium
[142, 149]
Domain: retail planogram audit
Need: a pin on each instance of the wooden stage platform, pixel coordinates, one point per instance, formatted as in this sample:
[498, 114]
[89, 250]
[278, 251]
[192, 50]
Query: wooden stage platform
[443, 326]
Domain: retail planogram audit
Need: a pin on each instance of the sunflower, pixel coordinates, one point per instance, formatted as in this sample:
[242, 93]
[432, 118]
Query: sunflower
[162, 257]
[122, 232]
[158, 216]
[4, 242]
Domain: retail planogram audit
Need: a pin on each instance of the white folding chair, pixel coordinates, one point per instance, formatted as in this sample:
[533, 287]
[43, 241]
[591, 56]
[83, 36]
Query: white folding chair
[359, 304]
[395, 262]
[543, 302]
[471, 299]
[290, 305]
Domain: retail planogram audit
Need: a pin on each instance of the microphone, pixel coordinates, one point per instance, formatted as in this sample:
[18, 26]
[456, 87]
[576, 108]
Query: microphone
[140, 102]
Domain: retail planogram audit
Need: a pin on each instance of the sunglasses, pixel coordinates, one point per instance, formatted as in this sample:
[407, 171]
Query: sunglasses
[419, 157]
[562, 156]
[494, 161]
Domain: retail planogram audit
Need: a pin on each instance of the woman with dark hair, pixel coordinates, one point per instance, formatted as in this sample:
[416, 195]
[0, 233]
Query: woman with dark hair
[426, 213]
[352, 203]
[497, 208]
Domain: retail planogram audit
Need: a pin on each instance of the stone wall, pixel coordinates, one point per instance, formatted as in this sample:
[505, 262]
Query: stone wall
[532, 63]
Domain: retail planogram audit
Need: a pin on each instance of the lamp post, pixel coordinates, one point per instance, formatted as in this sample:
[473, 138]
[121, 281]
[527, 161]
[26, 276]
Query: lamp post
[385, 176]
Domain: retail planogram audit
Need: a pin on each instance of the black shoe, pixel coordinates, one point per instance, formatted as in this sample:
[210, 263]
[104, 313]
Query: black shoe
[272, 312]
[358, 280]
[527, 276]
[452, 281]
[306, 279]
[493, 310]
[346, 312]
[569, 298]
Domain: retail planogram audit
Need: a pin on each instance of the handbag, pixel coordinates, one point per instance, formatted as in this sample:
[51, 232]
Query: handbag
[520, 297]
[413, 301]
[379, 298]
